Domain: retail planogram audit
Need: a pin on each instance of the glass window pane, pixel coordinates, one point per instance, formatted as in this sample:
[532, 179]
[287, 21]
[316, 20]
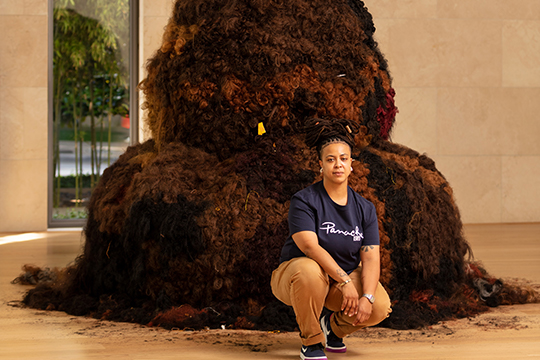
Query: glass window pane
[90, 97]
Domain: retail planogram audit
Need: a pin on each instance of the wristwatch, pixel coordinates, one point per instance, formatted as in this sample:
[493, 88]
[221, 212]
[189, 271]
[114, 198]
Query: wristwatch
[370, 297]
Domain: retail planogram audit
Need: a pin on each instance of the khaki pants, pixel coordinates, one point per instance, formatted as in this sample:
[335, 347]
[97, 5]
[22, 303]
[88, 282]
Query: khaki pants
[303, 284]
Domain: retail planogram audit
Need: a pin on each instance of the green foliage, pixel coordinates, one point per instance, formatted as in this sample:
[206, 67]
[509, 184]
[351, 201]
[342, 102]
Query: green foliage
[68, 182]
[102, 102]
[71, 213]
[86, 66]
[118, 135]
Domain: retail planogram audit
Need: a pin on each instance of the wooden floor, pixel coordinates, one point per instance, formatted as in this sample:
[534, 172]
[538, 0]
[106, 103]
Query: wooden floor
[511, 332]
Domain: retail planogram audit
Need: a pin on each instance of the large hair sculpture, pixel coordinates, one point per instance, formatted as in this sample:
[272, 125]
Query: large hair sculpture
[185, 229]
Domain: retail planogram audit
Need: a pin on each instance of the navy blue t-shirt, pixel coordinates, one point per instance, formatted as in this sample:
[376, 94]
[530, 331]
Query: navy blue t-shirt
[341, 230]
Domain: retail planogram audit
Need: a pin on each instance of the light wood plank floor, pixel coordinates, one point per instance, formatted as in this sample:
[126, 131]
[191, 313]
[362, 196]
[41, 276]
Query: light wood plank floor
[510, 332]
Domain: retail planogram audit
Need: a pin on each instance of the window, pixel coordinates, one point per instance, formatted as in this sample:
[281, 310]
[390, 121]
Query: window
[92, 98]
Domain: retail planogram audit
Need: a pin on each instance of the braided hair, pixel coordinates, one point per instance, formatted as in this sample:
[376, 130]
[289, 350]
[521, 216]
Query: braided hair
[322, 132]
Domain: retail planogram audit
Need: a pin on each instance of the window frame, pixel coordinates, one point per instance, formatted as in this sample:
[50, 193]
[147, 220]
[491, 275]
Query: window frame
[133, 104]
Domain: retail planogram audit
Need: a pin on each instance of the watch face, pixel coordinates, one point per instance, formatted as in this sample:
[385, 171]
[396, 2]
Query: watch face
[370, 297]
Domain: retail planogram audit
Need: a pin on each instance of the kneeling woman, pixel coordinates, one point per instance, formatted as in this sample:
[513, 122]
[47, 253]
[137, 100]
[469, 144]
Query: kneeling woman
[332, 229]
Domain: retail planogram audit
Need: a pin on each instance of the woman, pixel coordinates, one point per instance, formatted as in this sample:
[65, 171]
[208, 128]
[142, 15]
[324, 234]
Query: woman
[332, 229]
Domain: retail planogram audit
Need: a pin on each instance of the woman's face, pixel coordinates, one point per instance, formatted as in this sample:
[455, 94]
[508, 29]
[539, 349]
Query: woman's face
[336, 162]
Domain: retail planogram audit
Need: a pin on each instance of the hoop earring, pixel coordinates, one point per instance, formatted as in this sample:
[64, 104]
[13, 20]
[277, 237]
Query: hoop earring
[352, 169]
[320, 171]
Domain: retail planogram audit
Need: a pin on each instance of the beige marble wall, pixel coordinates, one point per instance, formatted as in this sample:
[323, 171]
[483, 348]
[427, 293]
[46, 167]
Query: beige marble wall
[467, 77]
[23, 115]
[466, 72]
[154, 16]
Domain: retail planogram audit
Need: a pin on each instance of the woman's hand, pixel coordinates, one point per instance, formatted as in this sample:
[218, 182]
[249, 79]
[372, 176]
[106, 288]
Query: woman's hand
[349, 306]
[364, 311]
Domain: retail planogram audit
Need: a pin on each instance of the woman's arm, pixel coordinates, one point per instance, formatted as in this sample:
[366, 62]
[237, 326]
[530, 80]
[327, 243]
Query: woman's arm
[308, 243]
[370, 257]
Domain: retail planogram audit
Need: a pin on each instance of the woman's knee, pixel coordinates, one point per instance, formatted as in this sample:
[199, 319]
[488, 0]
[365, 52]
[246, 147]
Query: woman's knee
[380, 313]
[381, 308]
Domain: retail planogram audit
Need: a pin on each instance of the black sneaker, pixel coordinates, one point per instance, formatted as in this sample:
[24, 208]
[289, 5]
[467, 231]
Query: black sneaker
[333, 342]
[313, 352]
